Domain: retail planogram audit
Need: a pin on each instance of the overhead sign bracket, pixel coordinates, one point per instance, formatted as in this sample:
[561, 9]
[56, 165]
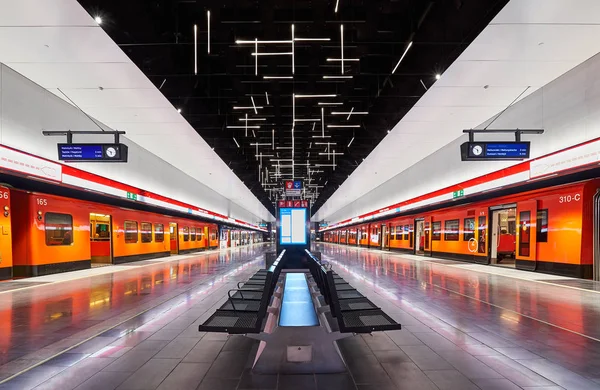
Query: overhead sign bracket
[516, 132]
[69, 134]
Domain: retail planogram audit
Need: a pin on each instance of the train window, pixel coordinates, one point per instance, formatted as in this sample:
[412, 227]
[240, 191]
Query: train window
[159, 232]
[469, 229]
[199, 233]
[193, 234]
[437, 231]
[405, 232]
[59, 229]
[541, 234]
[131, 232]
[102, 230]
[451, 230]
[186, 233]
[146, 232]
[410, 234]
[524, 233]
[481, 234]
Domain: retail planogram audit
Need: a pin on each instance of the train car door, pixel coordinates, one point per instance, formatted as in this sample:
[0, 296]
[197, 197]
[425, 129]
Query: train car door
[503, 233]
[419, 244]
[174, 237]
[526, 254]
[101, 249]
[384, 237]
[6, 262]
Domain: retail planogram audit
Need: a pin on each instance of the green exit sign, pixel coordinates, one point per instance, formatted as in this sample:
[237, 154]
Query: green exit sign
[131, 196]
[458, 194]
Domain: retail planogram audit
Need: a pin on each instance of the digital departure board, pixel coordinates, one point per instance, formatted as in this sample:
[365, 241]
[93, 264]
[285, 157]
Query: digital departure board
[92, 152]
[473, 151]
[293, 226]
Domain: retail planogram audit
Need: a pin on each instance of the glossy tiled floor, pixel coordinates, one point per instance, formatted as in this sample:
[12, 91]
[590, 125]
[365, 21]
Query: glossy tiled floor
[463, 329]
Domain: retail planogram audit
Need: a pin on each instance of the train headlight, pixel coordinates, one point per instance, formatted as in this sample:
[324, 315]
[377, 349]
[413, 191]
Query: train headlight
[39, 216]
[6, 211]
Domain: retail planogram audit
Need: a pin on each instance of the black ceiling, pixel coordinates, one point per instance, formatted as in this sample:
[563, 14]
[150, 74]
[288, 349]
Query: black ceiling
[158, 36]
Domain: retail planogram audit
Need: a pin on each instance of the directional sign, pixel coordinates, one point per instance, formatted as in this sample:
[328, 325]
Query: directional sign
[92, 152]
[494, 151]
[293, 187]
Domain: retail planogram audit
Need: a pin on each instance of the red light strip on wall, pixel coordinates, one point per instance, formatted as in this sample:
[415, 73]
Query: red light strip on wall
[14, 160]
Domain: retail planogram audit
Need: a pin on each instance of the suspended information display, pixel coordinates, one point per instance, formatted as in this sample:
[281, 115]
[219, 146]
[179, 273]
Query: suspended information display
[92, 152]
[494, 151]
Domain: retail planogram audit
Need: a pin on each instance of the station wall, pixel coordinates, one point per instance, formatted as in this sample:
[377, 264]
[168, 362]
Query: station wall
[26, 109]
[568, 109]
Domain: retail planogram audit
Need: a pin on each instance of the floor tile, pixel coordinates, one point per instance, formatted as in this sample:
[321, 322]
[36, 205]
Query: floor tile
[104, 381]
[450, 380]
[297, 382]
[335, 381]
[408, 376]
[185, 376]
[425, 358]
[150, 375]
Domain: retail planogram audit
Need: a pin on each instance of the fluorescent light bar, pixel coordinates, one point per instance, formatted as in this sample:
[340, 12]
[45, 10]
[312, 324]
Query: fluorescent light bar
[246, 108]
[321, 136]
[342, 126]
[267, 96]
[342, 45]
[337, 77]
[253, 134]
[293, 59]
[283, 53]
[238, 145]
[345, 59]
[401, 58]
[278, 77]
[337, 3]
[350, 143]
[243, 42]
[312, 39]
[314, 96]
[307, 120]
[252, 119]
[253, 105]
[350, 113]
[208, 25]
[195, 49]
[330, 104]
[243, 127]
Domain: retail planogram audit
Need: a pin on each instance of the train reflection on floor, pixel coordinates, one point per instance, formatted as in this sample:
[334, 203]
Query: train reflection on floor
[34, 318]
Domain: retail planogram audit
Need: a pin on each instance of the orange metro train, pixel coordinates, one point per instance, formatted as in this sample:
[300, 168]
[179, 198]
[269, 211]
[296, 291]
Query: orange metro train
[42, 234]
[547, 230]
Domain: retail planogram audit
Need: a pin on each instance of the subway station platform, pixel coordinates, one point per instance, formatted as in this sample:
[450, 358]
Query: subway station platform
[464, 327]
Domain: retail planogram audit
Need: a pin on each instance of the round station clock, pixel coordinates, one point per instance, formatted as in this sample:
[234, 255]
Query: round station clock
[477, 150]
[111, 151]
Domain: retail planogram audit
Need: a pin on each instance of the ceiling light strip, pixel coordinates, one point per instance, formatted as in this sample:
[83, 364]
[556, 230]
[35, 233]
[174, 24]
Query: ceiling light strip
[342, 45]
[342, 126]
[345, 59]
[253, 104]
[330, 104]
[252, 119]
[195, 49]
[350, 143]
[315, 96]
[278, 77]
[277, 53]
[208, 26]
[243, 127]
[255, 58]
[267, 96]
[312, 39]
[337, 3]
[307, 120]
[350, 114]
[238, 145]
[247, 108]
[403, 55]
[337, 77]
[243, 42]
[323, 122]
[293, 56]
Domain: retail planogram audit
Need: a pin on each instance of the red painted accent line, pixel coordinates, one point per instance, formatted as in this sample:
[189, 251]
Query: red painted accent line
[512, 170]
[81, 174]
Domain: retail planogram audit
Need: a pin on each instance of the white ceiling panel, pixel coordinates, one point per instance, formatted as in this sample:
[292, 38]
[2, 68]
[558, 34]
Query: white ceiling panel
[35, 13]
[571, 12]
[59, 46]
[528, 44]
[81, 75]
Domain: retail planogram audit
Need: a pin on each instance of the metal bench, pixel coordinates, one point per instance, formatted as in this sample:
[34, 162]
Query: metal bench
[246, 306]
[354, 312]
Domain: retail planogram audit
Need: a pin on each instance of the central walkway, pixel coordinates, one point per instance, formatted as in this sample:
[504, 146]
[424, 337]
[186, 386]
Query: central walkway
[463, 328]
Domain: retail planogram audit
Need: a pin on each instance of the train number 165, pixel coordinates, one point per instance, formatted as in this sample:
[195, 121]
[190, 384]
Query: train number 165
[569, 198]
[42, 202]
